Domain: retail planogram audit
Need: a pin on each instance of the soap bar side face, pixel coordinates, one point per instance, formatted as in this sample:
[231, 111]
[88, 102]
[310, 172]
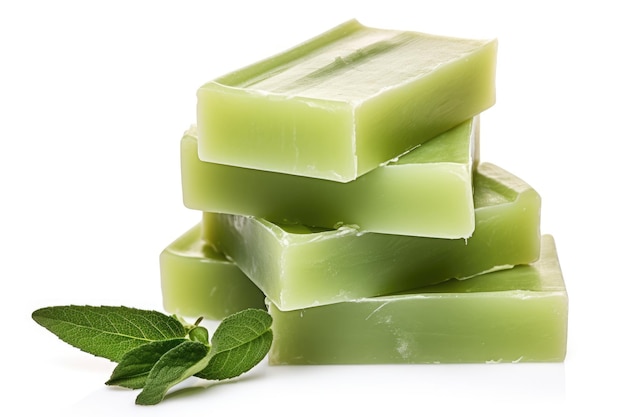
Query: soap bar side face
[289, 135]
[196, 281]
[491, 322]
[342, 104]
[509, 208]
[450, 94]
[426, 192]
[323, 267]
[265, 265]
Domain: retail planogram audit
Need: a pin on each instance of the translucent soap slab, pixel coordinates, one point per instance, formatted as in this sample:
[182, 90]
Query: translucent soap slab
[515, 315]
[298, 266]
[344, 102]
[427, 192]
[197, 281]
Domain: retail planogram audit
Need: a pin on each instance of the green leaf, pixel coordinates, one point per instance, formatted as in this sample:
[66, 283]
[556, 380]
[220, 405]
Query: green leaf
[108, 332]
[239, 343]
[199, 334]
[133, 369]
[176, 365]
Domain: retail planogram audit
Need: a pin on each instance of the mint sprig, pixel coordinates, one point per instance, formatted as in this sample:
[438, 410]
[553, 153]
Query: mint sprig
[132, 371]
[108, 332]
[155, 351]
[173, 367]
[239, 342]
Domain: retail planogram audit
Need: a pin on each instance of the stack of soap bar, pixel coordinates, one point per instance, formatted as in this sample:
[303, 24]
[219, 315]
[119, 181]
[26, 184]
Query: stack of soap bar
[297, 266]
[340, 186]
[427, 192]
[341, 104]
[197, 281]
[516, 315]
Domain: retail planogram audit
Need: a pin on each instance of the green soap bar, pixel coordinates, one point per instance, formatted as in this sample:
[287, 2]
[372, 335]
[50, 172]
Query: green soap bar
[197, 281]
[516, 315]
[341, 104]
[427, 192]
[298, 266]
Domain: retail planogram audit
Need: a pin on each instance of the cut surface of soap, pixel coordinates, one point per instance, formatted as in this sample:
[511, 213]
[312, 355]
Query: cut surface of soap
[197, 281]
[341, 104]
[297, 266]
[516, 315]
[427, 192]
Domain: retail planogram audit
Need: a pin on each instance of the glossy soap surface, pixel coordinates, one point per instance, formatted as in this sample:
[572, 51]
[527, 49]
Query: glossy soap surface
[426, 192]
[298, 266]
[341, 104]
[197, 281]
[515, 315]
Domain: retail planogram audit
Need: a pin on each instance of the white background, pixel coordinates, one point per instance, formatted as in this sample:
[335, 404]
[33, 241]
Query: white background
[94, 97]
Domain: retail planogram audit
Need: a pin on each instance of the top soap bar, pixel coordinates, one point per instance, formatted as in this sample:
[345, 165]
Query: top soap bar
[341, 104]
